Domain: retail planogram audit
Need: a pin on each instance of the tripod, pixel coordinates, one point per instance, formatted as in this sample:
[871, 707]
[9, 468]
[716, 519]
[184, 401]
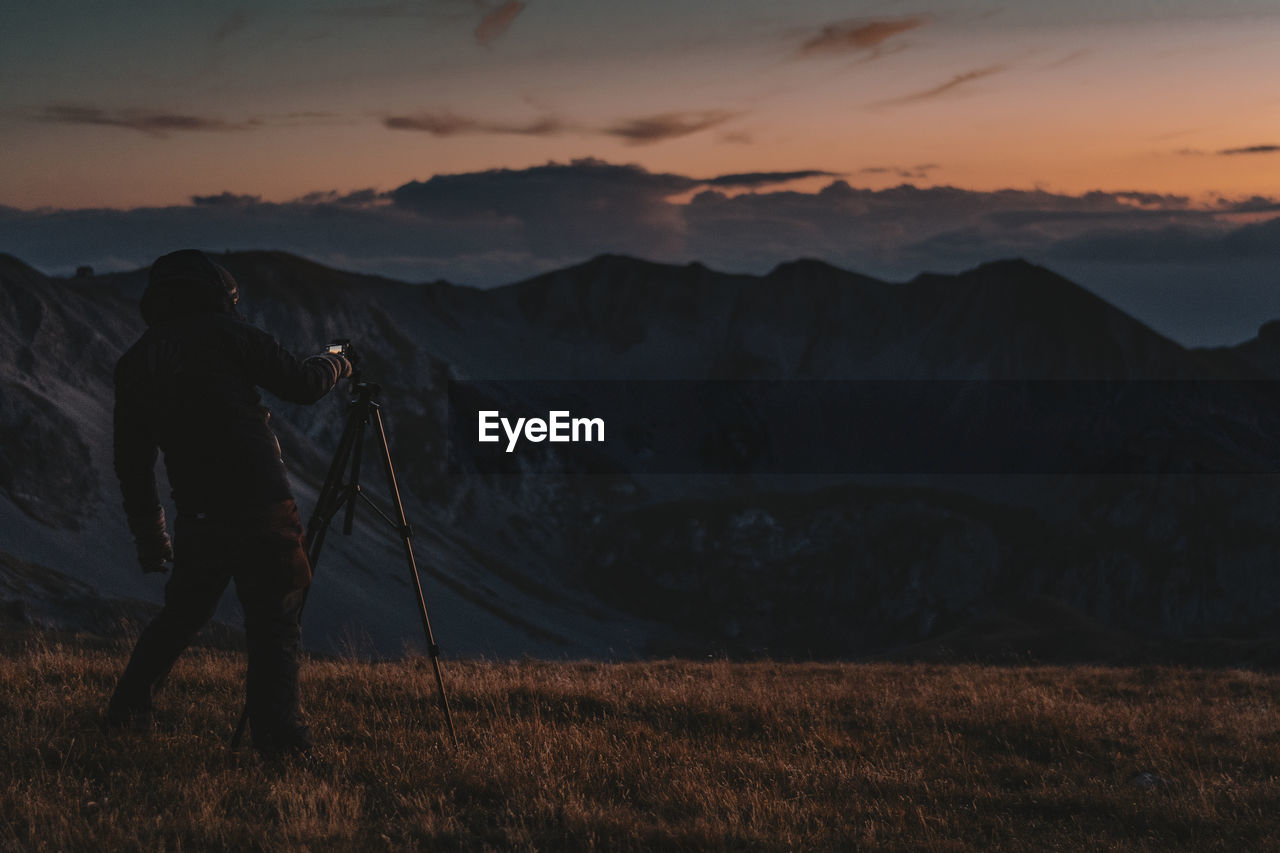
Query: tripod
[335, 494]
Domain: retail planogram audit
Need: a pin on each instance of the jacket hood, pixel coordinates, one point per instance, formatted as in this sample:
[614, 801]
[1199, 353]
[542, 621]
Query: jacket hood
[187, 282]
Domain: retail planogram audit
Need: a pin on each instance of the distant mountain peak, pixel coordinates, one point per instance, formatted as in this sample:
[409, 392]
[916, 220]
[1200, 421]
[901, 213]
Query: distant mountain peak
[803, 265]
[1018, 270]
[811, 269]
[1011, 266]
[612, 259]
[616, 267]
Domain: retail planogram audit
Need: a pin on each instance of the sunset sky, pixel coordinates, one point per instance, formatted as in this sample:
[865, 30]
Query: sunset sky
[139, 113]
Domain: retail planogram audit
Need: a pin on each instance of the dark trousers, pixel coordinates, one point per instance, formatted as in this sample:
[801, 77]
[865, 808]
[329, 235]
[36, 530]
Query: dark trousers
[263, 553]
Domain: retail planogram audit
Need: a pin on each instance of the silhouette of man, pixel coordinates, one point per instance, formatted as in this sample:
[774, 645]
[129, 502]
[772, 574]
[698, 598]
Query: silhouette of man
[188, 389]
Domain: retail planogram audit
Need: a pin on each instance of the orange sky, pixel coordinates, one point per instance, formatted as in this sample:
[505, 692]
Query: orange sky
[279, 102]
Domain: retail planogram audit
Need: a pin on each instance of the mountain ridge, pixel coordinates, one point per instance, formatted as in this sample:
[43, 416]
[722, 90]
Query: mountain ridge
[523, 566]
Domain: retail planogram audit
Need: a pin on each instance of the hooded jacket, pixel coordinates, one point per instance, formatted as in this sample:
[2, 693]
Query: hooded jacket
[188, 389]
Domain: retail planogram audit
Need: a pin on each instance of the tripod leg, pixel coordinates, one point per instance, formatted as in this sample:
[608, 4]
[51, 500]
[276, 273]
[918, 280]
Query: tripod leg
[406, 533]
[329, 499]
[354, 486]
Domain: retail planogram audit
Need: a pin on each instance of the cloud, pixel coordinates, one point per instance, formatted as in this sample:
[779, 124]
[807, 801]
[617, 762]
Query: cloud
[1256, 204]
[446, 11]
[919, 172]
[645, 130]
[857, 36]
[447, 123]
[1179, 243]
[306, 117]
[394, 9]
[496, 21]
[500, 225]
[234, 23]
[900, 230]
[365, 196]
[949, 86]
[1252, 149]
[225, 198]
[153, 123]
[493, 23]
[760, 179]
[1069, 59]
[659, 128]
[561, 212]
[553, 185]
[1168, 201]
[560, 209]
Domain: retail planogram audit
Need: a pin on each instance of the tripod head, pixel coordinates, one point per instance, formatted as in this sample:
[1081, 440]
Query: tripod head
[362, 390]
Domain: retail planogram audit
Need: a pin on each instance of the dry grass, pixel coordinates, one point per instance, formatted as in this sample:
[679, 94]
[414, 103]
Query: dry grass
[669, 756]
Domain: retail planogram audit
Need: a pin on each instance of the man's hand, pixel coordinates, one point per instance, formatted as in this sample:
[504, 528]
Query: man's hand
[338, 363]
[152, 540]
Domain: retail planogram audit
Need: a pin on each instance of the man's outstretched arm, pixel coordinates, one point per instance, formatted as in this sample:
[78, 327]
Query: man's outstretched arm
[293, 379]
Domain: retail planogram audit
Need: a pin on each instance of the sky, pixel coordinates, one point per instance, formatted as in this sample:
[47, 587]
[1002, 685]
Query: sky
[1131, 144]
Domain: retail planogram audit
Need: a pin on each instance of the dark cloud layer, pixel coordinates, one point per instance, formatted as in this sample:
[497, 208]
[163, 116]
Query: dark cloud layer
[902, 229]
[1178, 265]
[559, 208]
[1256, 204]
[225, 198]
[151, 122]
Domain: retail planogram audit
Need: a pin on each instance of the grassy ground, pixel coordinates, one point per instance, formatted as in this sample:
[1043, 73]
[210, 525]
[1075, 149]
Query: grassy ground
[667, 756]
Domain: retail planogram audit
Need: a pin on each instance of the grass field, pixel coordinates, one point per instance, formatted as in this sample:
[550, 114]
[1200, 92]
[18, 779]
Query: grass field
[649, 756]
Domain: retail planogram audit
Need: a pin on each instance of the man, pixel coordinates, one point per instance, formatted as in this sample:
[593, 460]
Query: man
[188, 388]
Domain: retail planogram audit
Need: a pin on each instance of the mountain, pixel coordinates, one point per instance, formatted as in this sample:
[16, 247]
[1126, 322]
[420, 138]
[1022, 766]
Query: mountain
[746, 562]
[616, 317]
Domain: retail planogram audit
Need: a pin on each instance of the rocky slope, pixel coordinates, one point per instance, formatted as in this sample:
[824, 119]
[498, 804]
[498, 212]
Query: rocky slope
[553, 563]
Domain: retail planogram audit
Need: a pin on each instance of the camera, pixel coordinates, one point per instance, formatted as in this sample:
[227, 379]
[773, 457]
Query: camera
[342, 347]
